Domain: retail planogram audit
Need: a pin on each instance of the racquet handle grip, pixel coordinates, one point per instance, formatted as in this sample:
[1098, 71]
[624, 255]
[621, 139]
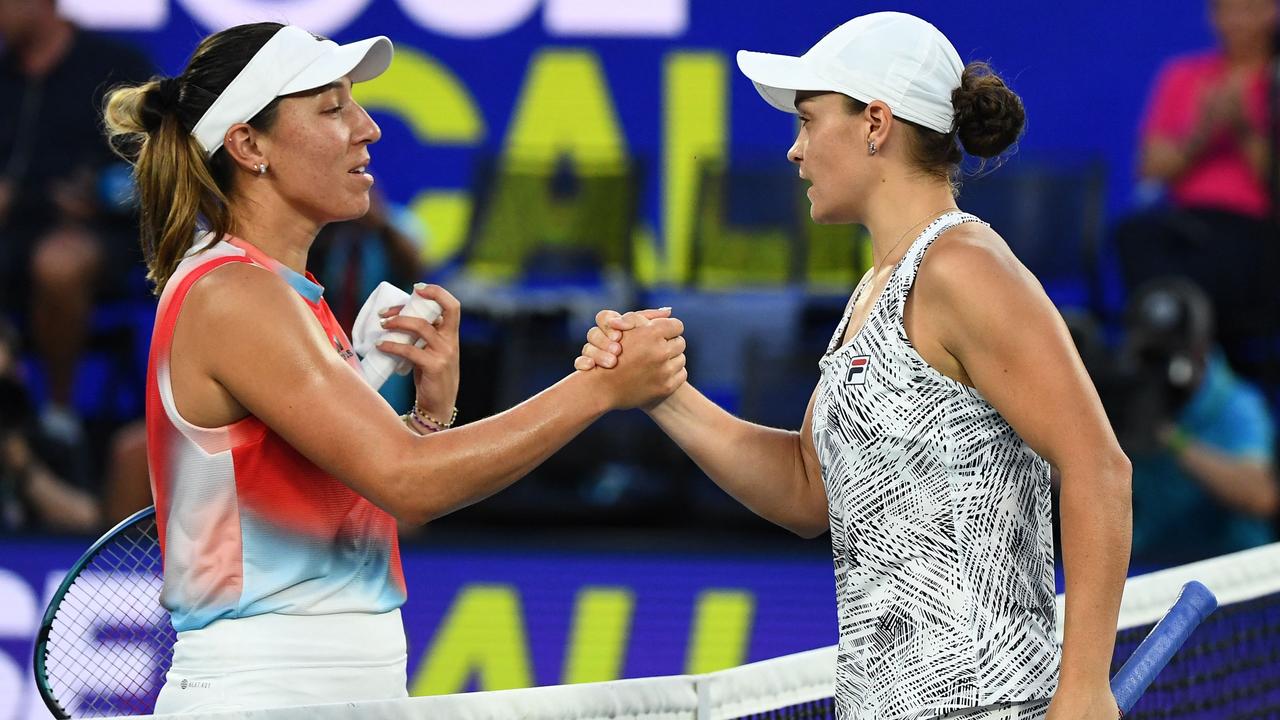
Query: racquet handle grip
[1193, 605]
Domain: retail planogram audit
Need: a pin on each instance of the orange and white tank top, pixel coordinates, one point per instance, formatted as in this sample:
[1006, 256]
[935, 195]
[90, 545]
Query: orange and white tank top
[247, 524]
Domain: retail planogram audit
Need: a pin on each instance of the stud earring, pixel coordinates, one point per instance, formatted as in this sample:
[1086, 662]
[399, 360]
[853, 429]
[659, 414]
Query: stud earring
[871, 147]
[262, 168]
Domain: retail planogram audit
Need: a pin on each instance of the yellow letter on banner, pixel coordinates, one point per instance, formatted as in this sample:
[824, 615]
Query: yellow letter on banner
[720, 631]
[437, 106]
[446, 215]
[565, 109]
[482, 634]
[598, 638]
[427, 96]
[696, 102]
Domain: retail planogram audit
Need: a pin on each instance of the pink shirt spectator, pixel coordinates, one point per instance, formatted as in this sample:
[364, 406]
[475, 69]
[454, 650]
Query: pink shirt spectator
[1221, 179]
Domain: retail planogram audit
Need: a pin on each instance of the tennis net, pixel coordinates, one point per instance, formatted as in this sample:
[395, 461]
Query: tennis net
[1229, 668]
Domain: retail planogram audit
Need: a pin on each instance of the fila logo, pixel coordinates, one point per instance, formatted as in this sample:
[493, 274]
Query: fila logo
[858, 366]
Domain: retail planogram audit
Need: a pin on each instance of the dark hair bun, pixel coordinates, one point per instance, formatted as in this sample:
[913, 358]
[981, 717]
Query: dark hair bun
[160, 101]
[989, 116]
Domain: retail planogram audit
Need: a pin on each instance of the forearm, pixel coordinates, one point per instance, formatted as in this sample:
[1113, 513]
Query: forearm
[1166, 160]
[1257, 153]
[1096, 531]
[59, 505]
[763, 468]
[1247, 486]
[446, 471]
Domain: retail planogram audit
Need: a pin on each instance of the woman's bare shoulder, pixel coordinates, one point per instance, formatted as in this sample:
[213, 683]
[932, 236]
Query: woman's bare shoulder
[241, 310]
[240, 291]
[966, 249]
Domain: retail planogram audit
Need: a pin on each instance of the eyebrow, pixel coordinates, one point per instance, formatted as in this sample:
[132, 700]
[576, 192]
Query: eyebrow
[335, 85]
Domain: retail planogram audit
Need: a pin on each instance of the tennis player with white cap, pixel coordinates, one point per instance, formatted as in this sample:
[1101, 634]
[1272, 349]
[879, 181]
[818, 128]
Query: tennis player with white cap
[279, 475]
[947, 390]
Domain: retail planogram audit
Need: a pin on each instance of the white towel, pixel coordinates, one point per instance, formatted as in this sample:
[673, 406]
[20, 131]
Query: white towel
[367, 332]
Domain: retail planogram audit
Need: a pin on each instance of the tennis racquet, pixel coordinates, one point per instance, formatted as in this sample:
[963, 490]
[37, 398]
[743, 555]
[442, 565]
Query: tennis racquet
[105, 643]
[1193, 605]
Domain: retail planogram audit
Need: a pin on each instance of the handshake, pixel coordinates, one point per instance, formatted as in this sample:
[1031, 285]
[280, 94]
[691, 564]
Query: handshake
[638, 358]
[397, 332]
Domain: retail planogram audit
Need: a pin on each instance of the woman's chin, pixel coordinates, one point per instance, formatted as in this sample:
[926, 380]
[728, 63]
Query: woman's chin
[823, 216]
[355, 211]
[824, 213]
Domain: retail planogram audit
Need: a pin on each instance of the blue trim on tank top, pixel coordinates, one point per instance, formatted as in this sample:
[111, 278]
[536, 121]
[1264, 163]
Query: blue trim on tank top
[304, 286]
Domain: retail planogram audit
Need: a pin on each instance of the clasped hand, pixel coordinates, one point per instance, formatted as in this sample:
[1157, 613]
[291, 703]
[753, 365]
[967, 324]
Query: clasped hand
[651, 368]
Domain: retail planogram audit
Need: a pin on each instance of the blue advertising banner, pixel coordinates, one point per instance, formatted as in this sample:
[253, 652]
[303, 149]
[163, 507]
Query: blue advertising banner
[493, 620]
[655, 83]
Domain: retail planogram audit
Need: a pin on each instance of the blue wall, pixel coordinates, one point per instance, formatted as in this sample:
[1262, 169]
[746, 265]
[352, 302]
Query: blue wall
[1083, 70]
[501, 619]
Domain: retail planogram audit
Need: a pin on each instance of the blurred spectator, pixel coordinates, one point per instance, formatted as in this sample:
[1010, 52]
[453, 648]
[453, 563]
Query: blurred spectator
[128, 486]
[1204, 142]
[64, 230]
[350, 259]
[43, 482]
[33, 495]
[1200, 438]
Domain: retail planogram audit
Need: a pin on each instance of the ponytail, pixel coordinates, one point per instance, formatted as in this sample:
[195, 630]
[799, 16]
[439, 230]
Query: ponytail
[176, 190]
[181, 191]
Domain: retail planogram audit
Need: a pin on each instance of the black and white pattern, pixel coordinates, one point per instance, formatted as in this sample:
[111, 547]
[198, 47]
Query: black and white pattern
[1034, 710]
[940, 527]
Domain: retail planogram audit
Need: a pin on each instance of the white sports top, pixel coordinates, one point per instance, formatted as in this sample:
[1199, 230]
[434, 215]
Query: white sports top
[940, 527]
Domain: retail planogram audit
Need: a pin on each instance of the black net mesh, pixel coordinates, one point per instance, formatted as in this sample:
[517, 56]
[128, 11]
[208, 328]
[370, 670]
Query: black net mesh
[813, 710]
[1229, 669]
[110, 646]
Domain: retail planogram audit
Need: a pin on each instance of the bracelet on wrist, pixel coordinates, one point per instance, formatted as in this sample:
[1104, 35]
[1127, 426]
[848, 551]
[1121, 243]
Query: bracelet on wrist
[425, 420]
[414, 425]
[422, 425]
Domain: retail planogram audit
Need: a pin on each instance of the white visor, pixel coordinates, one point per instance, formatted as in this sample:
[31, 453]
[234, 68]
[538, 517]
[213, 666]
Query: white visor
[293, 60]
[889, 56]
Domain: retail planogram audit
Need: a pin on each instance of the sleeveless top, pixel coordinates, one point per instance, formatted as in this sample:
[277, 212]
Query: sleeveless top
[940, 527]
[247, 524]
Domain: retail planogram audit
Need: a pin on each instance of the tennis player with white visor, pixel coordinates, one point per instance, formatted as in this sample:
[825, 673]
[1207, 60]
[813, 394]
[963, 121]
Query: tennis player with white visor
[278, 473]
[947, 390]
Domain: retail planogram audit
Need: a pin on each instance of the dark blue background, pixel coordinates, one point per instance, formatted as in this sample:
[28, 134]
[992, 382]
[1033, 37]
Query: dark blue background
[1083, 70]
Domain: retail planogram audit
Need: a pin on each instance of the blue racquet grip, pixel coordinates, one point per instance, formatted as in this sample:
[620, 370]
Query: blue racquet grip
[1194, 604]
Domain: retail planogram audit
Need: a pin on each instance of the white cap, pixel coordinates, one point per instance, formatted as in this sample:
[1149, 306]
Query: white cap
[293, 60]
[889, 56]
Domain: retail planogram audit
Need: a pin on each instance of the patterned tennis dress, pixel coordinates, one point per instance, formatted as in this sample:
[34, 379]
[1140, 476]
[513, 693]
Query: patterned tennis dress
[940, 529]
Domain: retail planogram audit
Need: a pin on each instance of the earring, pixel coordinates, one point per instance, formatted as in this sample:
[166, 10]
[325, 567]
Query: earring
[262, 168]
[871, 147]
